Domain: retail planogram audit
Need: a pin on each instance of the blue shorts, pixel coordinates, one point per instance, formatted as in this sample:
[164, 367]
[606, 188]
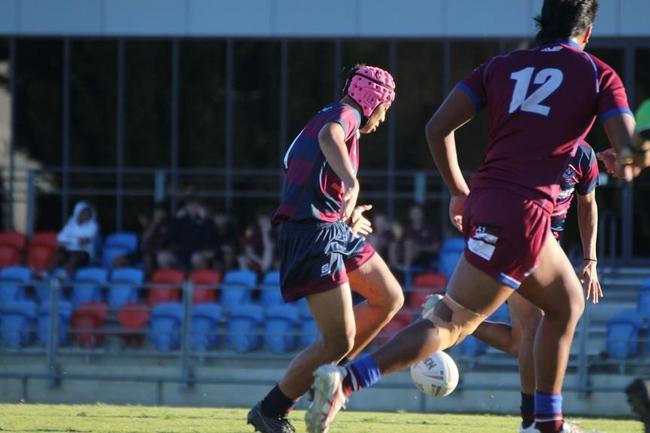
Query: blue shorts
[317, 256]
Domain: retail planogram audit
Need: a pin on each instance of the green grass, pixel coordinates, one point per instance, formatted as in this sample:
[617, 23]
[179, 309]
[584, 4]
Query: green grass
[25, 418]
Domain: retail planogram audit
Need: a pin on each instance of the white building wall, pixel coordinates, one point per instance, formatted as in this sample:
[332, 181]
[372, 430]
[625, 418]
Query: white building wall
[301, 18]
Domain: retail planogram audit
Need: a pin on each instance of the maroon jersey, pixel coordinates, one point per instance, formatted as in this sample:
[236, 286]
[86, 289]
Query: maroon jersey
[542, 103]
[312, 191]
[581, 177]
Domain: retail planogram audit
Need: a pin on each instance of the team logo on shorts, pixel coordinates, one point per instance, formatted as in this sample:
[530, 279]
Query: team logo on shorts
[482, 241]
[325, 270]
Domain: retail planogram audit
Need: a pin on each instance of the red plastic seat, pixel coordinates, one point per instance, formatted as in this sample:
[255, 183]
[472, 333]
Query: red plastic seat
[15, 239]
[9, 256]
[42, 248]
[45, 239]
[206, 283]
[87, 321]
[397, 323]
[133, 317]
[165, 286]
[424, 285]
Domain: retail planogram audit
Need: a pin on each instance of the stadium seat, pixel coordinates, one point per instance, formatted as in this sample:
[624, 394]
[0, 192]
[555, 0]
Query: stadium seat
[118, 244]
[501, 315]
[42, 248]
[643, 301]
[623, 333]
[308, 331]
[9, 256]
[281, 323]
[243, 327]
[425, 284]
[449, 254]
[13, 280]
[206, 283]
[123, 287]
[205, 322]
[472, 347]
[87, 321]
[44, 287]
[270, 289]
[401, 320]
[165, 286]
[133, 317]
[14, 239]
[165, 326]
[237, 287]
[16, 323]
[87, 285]
[64, 310]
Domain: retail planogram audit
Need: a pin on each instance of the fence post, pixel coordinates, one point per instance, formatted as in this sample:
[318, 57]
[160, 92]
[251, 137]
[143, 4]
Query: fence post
[186, 368]
[159, 186]
[53, 337]
[583, 357]
[31, 201]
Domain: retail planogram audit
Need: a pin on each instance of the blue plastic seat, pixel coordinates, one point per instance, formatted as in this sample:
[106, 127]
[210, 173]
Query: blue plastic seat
[87, 285]
[270, 289]
[13, 280]
[643, 300]
[126, 240]
[16, 323]
[472, 346]
[623, 333]
[501, 315]
[205, 322]
[449, 254]
[244, 327]
[64, 311]
[123, 286]
[165, 326]
[281, 323]
[309, 332]
[237, 287]
[109, 254]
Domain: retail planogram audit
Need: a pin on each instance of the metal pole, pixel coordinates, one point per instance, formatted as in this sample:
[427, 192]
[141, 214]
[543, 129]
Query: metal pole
[284, 96]
[186, 368]
[12, 134]
[176, 53]
[65, 156]
[31, 201]
[627, 192]
[446, 85]
[119, 139]
[229, 129]
[53, 337]
[392, 136]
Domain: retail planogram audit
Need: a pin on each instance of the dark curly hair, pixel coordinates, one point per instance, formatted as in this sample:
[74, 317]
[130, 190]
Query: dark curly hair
[564, 18]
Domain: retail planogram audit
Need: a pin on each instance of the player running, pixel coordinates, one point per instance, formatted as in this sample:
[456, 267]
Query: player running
[542, 103]
[580, 178]
[323, 252]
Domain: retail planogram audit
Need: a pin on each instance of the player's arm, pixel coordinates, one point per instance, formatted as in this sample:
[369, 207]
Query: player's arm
[454, 112]
[331, 139]
[588, 227]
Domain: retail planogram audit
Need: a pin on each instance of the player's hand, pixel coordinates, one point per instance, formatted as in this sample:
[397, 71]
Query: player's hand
[456, 205]
[350, 200]
[590, 283]
[608, 158]
[359, 224]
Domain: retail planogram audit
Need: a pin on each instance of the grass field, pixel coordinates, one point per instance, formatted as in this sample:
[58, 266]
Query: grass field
[25, 418]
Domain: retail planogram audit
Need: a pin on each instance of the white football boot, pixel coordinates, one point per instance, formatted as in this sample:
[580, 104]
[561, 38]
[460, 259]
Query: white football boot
[566, 428]
[329, 398]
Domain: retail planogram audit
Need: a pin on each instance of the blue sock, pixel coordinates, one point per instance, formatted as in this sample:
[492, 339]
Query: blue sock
[548, 412]
[362, 373]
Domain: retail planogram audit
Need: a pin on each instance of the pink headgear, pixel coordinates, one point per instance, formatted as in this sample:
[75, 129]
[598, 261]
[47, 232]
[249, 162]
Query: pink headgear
[370, 87]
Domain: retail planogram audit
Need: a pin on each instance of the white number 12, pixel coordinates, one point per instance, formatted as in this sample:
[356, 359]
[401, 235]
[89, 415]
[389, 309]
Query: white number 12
[549, 78]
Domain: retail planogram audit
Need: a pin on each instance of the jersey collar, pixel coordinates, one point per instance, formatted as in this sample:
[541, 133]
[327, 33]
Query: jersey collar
[571, 42]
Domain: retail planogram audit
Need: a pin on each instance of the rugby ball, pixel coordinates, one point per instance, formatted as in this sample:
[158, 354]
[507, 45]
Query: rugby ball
[436, 375]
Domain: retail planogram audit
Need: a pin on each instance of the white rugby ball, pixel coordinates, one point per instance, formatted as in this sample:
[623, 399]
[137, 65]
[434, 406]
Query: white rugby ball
[436, 375]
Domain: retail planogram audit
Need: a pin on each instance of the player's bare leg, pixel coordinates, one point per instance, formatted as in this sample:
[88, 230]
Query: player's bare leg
[499, 335]
[384, 297]
[555, 288]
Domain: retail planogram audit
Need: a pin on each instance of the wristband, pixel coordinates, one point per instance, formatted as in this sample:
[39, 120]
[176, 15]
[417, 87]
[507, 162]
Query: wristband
[587, 259]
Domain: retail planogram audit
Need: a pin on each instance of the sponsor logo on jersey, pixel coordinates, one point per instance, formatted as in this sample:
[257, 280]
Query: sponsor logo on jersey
[482, 241]
[325, 270]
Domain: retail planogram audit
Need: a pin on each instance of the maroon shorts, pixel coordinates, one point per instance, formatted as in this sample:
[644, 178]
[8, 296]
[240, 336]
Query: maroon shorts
[504, 234]
[316, 257]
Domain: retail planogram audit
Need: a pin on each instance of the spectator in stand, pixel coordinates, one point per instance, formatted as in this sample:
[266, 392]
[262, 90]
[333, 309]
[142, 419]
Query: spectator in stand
[384, 239]
[76, 240]
[154, 233]
[192, 239]
[228, 239]
[420, 241]
[260, 246]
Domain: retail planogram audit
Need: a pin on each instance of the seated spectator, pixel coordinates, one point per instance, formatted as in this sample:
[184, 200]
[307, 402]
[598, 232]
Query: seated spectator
[192, 240]
[383, 238]
[420, 242]
[259, 247]
[76, 240]
[228, 239]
